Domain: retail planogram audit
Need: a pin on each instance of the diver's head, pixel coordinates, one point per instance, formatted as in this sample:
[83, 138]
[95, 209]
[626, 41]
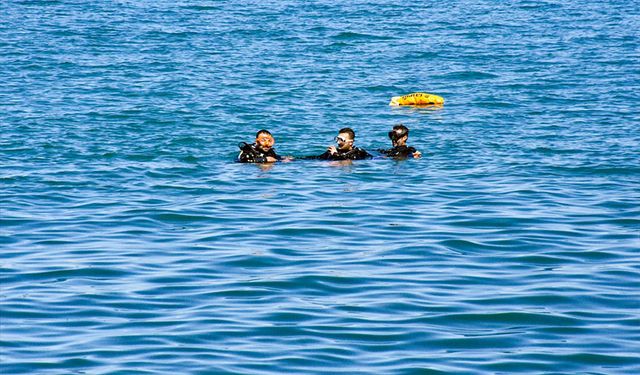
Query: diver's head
[399, 135]
[264, 140]
[345, 139]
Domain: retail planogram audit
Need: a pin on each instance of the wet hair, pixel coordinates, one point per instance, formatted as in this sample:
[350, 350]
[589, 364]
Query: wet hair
[263, 131]
[398, 132]
[401, 129]
[349, 131]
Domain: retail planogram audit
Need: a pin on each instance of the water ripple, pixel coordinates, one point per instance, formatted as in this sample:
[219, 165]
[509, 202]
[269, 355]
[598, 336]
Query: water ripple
[132, 243]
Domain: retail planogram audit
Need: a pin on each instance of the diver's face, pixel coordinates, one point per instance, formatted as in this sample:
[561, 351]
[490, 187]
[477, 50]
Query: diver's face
[344, 141]
[402, 141]
[265, 141]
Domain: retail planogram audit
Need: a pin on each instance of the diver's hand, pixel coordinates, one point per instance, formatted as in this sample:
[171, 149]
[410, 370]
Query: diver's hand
[271, 159]
[417, 154]
[332, 150]
[287, 158]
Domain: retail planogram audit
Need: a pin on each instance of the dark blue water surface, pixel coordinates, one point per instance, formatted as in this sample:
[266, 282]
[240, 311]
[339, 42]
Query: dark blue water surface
[132, 243]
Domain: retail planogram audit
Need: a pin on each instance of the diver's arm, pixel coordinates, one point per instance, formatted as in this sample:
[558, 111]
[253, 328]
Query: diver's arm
[358, 154]
[415, 153]
[324, 156]
[272, 157]
[245, 157]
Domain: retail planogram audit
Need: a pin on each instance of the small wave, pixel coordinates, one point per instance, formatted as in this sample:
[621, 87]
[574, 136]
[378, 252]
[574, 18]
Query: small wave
[422, 55]
[522, 319]
[382, 88]
[599, 170]
[348, 35]
[469, 76]
[201, 7]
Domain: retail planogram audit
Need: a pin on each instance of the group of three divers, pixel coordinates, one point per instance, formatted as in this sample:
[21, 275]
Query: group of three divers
[262, 151]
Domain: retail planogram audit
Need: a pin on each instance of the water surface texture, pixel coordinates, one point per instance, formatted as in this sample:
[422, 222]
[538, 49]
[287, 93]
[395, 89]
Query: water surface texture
[131, 243]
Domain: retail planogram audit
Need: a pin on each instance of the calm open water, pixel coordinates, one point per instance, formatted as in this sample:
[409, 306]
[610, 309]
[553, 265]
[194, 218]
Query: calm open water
[133, 244]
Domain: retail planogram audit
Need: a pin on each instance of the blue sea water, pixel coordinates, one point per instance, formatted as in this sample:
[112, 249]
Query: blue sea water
[131, 243]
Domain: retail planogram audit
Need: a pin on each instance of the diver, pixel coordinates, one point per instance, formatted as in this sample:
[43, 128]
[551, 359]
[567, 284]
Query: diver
[261, 151]
[345, 150]
[399, 136]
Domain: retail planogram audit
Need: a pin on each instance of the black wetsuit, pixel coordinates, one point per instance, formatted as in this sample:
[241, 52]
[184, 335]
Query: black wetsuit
[251, 153]
[354, 154]
[399, 152]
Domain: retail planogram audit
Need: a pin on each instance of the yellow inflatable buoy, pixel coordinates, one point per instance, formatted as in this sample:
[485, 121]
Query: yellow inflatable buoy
[417, 98]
